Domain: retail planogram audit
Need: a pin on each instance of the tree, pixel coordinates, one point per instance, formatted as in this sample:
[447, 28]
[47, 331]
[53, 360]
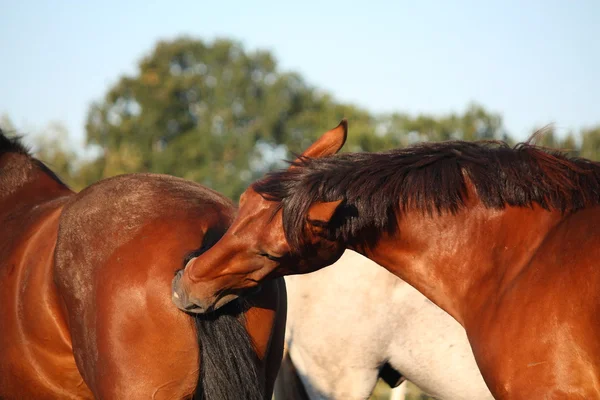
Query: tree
[216, 114]
[474, 124]
[590, 143]
[51, 147]
[209, 112]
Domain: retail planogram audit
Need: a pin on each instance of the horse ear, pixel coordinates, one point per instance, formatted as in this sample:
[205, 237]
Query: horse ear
[329, 143]
[320, 213]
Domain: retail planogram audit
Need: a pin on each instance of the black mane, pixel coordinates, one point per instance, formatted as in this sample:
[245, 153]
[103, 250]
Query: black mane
[13, 145]
[429, 177]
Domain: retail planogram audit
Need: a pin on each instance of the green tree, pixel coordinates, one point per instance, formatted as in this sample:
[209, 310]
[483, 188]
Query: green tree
[216, 114]
[51, 147]
[590, 143]
[474, 124]
[548, 137]
[209, 112]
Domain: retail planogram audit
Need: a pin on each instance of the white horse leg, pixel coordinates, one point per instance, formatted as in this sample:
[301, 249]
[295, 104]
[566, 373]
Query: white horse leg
[333, 378]
[353, 384]
[399, 392]
[288, 385]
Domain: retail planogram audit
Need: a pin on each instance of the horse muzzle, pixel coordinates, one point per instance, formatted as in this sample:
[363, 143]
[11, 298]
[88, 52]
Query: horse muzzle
[181, 298]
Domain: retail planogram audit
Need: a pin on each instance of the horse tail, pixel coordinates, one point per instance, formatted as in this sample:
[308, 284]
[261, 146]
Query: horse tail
[288, 385]
[229, 366]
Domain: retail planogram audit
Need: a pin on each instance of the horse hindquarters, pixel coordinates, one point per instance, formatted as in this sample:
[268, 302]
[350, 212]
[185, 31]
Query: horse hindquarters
[128, 339]
[120, 244]
[36, 361]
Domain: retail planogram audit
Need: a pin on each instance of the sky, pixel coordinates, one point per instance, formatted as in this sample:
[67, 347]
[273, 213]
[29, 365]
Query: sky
[535, 62]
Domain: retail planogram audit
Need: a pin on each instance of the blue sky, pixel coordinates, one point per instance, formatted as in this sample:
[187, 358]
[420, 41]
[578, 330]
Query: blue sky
[536, 62]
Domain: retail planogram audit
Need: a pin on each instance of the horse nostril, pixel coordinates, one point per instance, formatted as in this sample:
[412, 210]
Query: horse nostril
[176, 289]
[181, 298]
[175, 282]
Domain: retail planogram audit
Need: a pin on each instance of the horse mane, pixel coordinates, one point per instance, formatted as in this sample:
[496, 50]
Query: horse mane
[14, 145]
[427, 177]
[11, 144]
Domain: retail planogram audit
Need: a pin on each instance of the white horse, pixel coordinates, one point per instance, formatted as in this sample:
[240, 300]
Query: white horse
[354, 321]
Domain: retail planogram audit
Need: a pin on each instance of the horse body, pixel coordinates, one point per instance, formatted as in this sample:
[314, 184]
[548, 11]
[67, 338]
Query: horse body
[504, 239]
[341, 332]
[526, 343]
[556, 295]
[85, 282]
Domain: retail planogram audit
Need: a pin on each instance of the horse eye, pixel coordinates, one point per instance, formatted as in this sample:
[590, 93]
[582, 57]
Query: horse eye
[271, 257]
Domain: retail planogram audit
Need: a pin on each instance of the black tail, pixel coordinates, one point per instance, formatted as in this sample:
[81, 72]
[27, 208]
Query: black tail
[229, 366]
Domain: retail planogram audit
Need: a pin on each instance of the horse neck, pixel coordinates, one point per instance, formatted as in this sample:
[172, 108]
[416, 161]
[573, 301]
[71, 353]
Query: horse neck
[461, 262]
[23, 182]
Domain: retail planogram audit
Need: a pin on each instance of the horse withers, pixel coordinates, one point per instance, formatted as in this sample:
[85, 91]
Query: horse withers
[85, 292]
[505, 239]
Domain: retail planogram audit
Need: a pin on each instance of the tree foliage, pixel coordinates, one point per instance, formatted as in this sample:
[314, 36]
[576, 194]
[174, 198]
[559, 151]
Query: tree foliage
[208, 112]
[217, 114]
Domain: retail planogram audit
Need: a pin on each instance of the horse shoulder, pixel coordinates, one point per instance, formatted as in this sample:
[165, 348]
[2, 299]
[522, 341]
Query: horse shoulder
[566, 265]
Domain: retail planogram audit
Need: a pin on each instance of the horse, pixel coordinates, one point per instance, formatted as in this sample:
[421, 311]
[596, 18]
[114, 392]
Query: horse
[506, 239]
[85, 292]
[341, 337]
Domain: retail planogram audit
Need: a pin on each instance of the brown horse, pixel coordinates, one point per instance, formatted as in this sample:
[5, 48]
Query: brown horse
[85, 292]
[506, 240]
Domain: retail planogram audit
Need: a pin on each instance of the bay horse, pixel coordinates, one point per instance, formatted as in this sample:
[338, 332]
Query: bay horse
[85, 292]
[341, 337]
[505, 239]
